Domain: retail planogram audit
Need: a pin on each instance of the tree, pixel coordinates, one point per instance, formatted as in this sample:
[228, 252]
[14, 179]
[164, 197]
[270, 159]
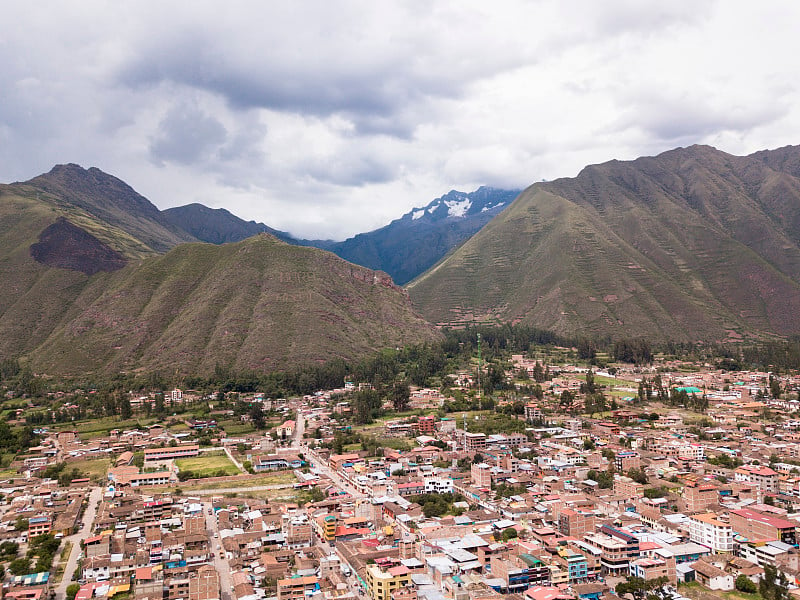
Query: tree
[744, 584]
[159, 407]
[509, 533]
[638, 475]
[125, 410]
[72, 590]
[256, 414]
[590, 385]
[773, 585]
[20, 566]
[774, 386]
[639, 588]
[366, 405]
[401, 394]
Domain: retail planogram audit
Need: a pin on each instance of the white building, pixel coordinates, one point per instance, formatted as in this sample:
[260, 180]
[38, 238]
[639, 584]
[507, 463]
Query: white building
[708, 530]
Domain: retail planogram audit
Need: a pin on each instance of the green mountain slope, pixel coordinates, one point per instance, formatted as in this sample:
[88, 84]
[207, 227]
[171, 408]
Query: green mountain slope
[255, 304]
[692, 244]
[81, 293]
[111, 201]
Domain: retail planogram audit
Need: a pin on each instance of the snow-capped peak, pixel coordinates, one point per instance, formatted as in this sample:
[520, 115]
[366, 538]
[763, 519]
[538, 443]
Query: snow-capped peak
[458, 208]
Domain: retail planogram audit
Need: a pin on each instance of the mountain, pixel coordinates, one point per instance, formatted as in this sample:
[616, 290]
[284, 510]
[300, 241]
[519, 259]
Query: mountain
[256, 304]
[404, 249]
[111, 201]
[217, 225]
[408, 246]
[87, 287]
[693, 244]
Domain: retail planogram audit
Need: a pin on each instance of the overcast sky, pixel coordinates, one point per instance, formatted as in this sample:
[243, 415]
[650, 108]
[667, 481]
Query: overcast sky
[331, 118]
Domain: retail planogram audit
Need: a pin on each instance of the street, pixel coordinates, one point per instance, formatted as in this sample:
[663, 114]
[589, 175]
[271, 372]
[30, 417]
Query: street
[220, 560]
[88, 518]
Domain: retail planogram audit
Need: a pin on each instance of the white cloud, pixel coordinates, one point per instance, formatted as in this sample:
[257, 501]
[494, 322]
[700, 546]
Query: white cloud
[327, 119]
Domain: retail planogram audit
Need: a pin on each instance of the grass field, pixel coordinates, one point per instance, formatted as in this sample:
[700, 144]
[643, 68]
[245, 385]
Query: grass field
[697, 592]
[95, 469]
[286, 477]
[99, 427]
[282, 478]
[208, 465]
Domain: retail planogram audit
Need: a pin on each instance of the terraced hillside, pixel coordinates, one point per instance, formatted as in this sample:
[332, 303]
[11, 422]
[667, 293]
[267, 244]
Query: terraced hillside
[688, 245]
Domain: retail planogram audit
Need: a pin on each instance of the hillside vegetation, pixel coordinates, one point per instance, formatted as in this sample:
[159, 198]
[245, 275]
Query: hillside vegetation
[693, 244]
[87, 287]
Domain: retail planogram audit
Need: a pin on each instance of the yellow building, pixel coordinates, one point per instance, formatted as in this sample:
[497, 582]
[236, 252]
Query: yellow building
[381, 583]
[325, 527]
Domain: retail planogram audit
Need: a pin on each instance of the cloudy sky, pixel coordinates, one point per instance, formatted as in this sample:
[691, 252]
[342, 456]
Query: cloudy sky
[333, 117]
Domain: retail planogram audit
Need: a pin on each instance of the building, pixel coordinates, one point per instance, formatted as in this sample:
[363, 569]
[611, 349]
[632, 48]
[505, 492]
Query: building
[474, 441]
[756, 526]
[171, 452]
[381, 583]
[708, 530]
[625, 460]
[513, 571]
[481, 475]
[438, 485]
[700, 497]
[575, 522]
[712, 577]
[533, 414]
[427, 425]
[296, 588]
[38, 526]
[206, 585]
[325, 527]
[764, 478]
[297, 531]
[653, 568]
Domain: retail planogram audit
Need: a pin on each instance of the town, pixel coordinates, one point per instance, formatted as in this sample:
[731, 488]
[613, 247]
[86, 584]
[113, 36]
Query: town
[574, 482]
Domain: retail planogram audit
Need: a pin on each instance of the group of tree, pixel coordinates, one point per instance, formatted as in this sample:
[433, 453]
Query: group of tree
[604, 479]
[636, 351]
[43, 548]
[773, 585]
[642, 589]
[438, 505]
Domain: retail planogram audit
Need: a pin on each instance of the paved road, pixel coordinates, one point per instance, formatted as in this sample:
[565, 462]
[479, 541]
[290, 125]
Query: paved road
[220, 560]
[299, 429]
[88, 519]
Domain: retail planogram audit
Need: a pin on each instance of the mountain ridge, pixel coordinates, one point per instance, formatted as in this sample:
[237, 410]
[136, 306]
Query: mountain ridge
[693, 244]
[84, 294]
[404, 248]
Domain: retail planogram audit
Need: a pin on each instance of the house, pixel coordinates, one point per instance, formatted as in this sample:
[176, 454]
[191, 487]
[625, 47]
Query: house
[713, 577]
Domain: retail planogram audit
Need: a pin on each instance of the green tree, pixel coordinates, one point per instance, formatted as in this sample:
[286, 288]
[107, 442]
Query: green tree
[509, 533]
[774, 386]
[744, 584]
[401, 394]
[638, 475]
[773, 585]
[256, 414]
[125, 410]
[72, 590]
[20, 566]
[366, 406]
